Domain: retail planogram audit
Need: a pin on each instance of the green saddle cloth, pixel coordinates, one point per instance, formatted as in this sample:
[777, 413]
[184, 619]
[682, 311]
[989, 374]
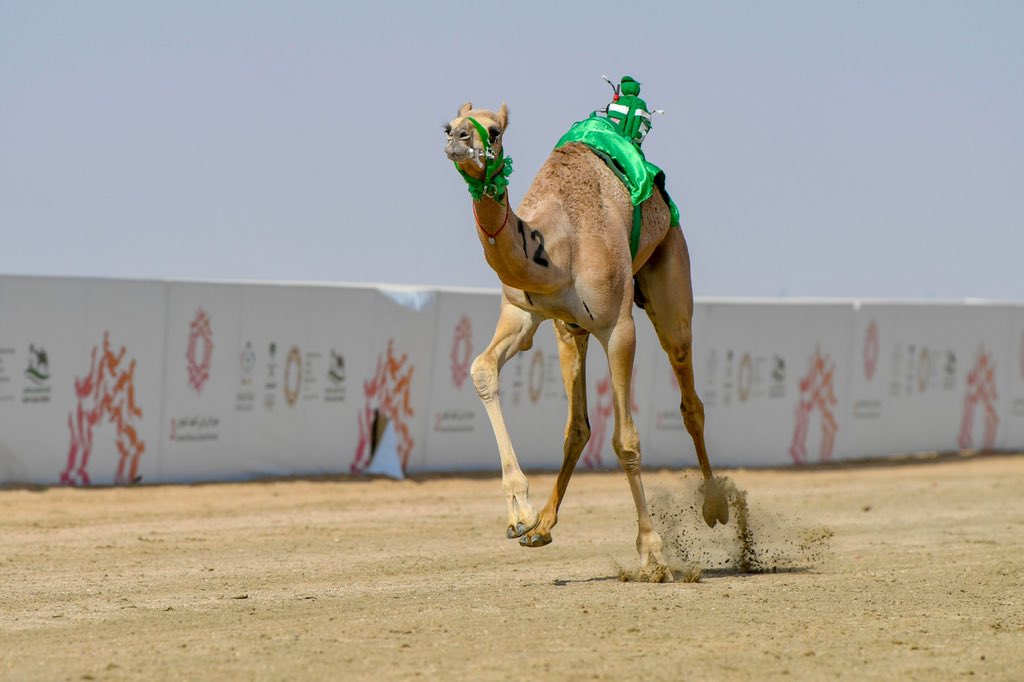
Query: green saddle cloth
[627, 162]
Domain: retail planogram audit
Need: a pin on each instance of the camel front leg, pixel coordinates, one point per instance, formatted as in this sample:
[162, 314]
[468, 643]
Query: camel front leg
[621, 348]
[514, 333]
[572, 356]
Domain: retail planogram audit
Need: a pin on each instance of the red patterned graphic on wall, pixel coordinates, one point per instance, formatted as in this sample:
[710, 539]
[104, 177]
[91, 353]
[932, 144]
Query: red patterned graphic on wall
[817, 392]
[462, 351]
[200, 350]
[107, 393]
[871, 348]
[601, 417]
[388, 393]
[981, 390]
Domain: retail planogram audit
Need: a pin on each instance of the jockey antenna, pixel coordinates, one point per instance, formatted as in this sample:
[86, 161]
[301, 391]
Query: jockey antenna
[615, 88]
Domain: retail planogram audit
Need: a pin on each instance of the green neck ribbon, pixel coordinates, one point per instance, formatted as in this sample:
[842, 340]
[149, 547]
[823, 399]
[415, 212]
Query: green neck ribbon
[496, 174]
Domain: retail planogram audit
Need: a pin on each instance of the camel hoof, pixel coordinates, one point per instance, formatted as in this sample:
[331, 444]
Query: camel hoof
[519, 530]
[536, 540]
[716, 504]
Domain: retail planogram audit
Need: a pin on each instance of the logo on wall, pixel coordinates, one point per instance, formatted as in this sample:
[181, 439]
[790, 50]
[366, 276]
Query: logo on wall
[924, 369]
[270, 383]
[335, 391]
[388, 393]
[778, 387]
[981, 390]
[949, 371]
[245, 397]
[871, 350]
[535, 379]
[246, 362]
[817, 392]
[106, 393]
[336, 372]
[745, 378]
[462, 351]
[292, 376]
[37, 389]
[200, 350]
[38, 370]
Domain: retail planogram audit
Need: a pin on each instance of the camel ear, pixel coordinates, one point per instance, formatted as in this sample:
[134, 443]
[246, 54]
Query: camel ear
[465, 109]
[503, 116]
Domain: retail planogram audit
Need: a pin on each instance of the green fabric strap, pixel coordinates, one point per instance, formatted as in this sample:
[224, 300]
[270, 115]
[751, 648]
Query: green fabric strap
[495, 178]
[634, 235]
[639, 175]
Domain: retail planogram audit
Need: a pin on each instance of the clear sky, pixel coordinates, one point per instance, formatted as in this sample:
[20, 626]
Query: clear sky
[864, 149]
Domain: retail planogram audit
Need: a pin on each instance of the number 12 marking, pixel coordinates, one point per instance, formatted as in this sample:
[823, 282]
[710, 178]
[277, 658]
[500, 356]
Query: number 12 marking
[540, 256]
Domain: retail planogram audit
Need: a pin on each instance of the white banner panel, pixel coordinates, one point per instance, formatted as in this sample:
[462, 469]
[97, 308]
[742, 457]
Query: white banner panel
[772, 377]
[42, 337]
[396, 383]
[343, 347]
[928, 377]
[272, 338]
[202, 384]
[114, 416]
[459, 435]
[81, 364]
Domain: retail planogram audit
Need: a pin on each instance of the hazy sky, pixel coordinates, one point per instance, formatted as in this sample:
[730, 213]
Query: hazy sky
[815, 148]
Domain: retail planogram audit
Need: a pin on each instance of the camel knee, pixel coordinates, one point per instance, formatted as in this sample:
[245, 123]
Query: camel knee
[577, 435]
[692, 410]
[679, 350]
[629, 460]
[691, 407]
[485, 377]
[627, 447]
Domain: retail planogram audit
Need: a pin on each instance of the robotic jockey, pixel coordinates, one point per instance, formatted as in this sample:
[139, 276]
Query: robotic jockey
[629, 112]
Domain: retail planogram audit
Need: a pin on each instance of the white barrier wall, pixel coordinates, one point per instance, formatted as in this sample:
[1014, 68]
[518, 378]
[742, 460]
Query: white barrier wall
[773, 379]
[120, 381]
[930, 377]
[81, 374]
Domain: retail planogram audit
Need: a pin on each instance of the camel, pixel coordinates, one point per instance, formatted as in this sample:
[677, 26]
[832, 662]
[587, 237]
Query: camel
[564, 255]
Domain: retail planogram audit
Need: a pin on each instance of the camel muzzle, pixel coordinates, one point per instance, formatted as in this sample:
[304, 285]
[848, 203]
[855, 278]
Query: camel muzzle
[461, 152]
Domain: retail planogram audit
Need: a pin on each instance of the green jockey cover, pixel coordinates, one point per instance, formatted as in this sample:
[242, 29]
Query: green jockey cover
[629, 112]
[626, 161]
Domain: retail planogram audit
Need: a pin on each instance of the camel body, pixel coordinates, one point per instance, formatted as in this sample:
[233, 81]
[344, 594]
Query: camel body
[564, 255]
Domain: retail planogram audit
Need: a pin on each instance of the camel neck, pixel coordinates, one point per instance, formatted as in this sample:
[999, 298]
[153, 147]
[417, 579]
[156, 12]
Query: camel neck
[492, 217]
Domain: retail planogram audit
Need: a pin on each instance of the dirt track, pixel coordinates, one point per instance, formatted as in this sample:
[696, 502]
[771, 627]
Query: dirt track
[923, 578]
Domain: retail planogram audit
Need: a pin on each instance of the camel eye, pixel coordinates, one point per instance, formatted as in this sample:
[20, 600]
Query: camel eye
[495, 131]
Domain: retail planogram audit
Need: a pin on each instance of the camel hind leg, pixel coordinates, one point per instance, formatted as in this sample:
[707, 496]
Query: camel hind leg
[513, 333]
[665, 289]
[572, 357]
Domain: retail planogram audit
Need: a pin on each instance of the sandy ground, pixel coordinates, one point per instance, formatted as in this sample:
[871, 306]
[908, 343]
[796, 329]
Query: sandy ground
[913, 571]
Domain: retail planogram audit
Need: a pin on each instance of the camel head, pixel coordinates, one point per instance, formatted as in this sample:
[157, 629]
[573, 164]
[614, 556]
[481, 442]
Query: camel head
[465, 145]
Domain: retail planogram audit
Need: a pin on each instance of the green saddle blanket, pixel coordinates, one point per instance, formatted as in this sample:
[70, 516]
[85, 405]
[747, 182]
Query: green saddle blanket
[627, 162]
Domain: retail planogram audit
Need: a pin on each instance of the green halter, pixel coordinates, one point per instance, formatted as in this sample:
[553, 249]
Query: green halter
[495, 178]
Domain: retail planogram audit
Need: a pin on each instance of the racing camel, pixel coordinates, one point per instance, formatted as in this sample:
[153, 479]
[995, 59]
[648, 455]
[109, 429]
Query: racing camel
[565, 255]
